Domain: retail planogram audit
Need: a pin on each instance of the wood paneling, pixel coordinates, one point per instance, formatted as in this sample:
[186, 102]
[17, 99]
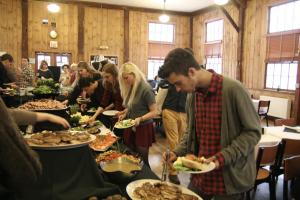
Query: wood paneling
[229, 54]
[11, 28]
[66, 26]
[104, 27]
[138, 35]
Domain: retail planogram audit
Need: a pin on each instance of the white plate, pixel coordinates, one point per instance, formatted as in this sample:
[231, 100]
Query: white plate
[118, 125]
[206, 168]
[133, 185]
[62, 146]
[110, 112]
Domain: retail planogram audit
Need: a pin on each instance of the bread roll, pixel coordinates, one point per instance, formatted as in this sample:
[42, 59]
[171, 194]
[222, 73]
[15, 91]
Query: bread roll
[191, 164]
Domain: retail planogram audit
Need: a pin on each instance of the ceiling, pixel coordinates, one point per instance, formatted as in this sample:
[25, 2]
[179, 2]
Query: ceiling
[172, 5]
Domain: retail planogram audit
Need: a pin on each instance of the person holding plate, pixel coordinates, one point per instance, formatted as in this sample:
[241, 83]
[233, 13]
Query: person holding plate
[139, 101]
[223, 127]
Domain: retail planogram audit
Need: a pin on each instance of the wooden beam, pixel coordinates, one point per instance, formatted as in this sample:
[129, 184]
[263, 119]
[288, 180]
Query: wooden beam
[80, 32]
[296, 106]
[126, 35]
[24, 29]
[191, 31]
[235, 26]
[240, 47]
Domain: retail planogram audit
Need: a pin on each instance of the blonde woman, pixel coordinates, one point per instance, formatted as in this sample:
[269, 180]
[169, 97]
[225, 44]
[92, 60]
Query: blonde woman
[139, 101]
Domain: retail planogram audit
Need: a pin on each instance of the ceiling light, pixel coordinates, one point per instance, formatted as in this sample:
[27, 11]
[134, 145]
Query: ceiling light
[163, 17]
[221, 2]
[54, 8]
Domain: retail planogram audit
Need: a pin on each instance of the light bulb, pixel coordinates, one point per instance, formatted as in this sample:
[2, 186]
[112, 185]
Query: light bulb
[54, 8]
[221, 2]
[164, 18]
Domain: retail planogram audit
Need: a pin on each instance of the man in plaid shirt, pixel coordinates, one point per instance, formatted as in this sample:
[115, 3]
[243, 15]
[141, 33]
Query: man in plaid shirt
[223, 126]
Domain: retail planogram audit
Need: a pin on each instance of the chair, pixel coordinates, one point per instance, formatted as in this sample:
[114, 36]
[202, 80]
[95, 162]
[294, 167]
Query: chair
[287, 122]
[263, 109]
[287, 149]
[266, 156]
[291, 171]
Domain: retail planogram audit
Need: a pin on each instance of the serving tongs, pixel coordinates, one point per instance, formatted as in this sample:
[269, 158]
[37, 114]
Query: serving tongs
[165, 170]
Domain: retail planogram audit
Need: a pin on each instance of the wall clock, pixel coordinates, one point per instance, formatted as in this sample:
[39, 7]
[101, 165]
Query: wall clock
[53, 34]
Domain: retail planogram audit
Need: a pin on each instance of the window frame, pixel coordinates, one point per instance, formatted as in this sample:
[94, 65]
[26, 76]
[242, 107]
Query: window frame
[269, 19]
[152, 58]
[210, 21]
[279, 89]
[162, 42]
[220, 57]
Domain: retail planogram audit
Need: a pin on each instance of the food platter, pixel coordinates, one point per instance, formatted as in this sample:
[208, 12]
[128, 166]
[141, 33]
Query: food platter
[138, 183]
[43, 105]
[72, 144]
[127, 123]
[103, 142]
[110, 113]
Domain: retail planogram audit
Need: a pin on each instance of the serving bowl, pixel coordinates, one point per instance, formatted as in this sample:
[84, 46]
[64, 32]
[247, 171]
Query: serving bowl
[121, 169]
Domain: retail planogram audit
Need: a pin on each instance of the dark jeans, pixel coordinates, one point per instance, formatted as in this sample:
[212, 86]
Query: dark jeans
[204, 196]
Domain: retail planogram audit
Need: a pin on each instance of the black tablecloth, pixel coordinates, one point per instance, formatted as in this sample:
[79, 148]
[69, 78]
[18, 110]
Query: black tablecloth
[69, 174]
[73, 174]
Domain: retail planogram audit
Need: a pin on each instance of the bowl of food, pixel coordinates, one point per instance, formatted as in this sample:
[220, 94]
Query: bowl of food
[121, 169]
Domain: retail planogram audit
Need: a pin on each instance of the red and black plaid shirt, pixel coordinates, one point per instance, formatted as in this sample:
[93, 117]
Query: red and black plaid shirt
[208, 108]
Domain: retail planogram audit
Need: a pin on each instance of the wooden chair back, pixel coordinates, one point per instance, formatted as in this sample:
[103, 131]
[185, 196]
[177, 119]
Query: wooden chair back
[291, 167]
[287, 122]
[263, 107]
[290, 147]
[269, 155]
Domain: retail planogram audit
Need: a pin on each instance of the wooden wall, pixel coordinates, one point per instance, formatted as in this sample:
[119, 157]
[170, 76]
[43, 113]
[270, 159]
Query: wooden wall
[66, 27]
[104, 27]
[11, 28]
[229, 57]
[138, 35]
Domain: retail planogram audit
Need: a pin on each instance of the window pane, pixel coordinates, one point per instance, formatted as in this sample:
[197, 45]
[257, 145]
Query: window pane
[161, 32]
[281, 75]
[153, 66]
[214, 63]
[285, 17]
[214, 31]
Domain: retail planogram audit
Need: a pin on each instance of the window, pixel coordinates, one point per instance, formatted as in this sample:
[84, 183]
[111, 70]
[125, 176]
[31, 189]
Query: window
[214, 31]
[281, 75]
[41, 57]
[214, 63]
[213, 45]
[161, 41]
[161, 32]
[285, 17]
[62, 60]
[153, 66]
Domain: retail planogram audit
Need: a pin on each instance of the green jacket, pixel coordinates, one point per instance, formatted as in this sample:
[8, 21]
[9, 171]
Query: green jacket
[240, 133]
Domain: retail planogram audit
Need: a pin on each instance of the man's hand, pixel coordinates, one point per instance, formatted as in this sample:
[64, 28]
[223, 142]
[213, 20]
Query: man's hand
[213, 159]
[172, 157]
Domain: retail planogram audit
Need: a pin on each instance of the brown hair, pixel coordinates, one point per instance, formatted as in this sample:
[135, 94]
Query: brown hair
[42, 63]
[114, 71]
[179, 61]
[85, 65]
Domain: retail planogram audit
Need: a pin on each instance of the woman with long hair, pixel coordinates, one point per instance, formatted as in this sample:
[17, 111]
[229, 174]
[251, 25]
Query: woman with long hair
[139, 101]
[112, 96]
[44, 71]
[84, 71]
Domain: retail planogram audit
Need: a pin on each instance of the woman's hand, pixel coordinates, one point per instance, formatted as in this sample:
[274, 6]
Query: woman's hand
[137, 121]
[52, 118]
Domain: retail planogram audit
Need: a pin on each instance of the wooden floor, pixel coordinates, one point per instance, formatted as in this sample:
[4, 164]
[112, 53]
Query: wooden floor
[262, 192]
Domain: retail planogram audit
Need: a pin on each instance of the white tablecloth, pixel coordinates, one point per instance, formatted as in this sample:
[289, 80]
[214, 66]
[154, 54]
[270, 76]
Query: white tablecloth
[268, 140]
[278, 132]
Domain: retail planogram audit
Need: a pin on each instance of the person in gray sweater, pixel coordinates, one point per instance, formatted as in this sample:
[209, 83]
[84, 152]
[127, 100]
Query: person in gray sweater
[19, 165]
[223, 126]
